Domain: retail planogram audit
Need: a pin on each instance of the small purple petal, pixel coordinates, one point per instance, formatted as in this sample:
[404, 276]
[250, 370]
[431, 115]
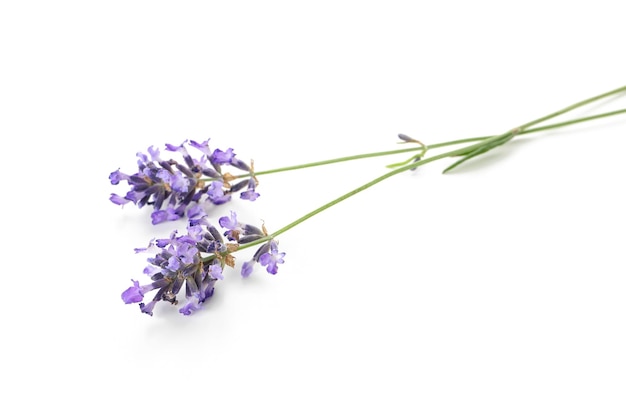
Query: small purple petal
[150, 270]
[117, 176]
[186, 252]
[272, 258]
[203, 147]
[133, 294]
[147, 308]
[163, 175]
[154, 153]
[238, 163]
[246, 268]
[173, 264]
[133, 196]
[169, 214]
[193, 304]
[216, 193]
[196, 233]
[119, 200]
[229, 222]
[143, 158]
[222, 157]
[249, 195]
[195, 212]
[215, 271]
[175, 148]
[176, 181]
[208, 288]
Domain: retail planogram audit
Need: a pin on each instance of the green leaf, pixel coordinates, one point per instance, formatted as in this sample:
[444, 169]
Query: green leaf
[489, 145]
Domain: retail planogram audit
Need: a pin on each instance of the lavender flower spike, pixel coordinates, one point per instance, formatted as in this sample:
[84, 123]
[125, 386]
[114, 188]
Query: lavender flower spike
[172, 187]
[196, 261]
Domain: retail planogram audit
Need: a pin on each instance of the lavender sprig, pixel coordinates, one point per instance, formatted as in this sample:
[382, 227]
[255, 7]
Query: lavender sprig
[180, 260]
[171, 187]
[197, 260]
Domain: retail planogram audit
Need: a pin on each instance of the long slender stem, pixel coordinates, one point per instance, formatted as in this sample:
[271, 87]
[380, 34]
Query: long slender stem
[499, 140]
[532, 130]
[524, 129]
[434, 146]
[572, 107]
[348, 195]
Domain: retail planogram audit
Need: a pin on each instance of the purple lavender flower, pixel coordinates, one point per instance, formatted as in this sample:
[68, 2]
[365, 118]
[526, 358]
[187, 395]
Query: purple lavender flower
[173, 188]
[239, 232]
[272, 258]
[119, 200]
[215, 271]
[147, 308]
[135, 293]
[247, 267]
[222, 157]
[267, 255]
[170, 213]
[179, 262]
[196, 260]
[250, 194]
[196, 299]
[117, 176]
[215, 193]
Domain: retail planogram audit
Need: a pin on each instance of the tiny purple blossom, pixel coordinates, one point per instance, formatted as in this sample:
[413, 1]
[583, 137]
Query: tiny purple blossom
[272, 258]
[181, 148]
[249, 195]
[203, 146]
[147, 308]
[173, 263]
[193, 304]
[215, 271]
[133, 294]
[187, 252]
[229, 222]
[143, 158]
[195, 212]
[119, 200]
[160, 216]
[195, 233]
[216, 193]
[221, 157]
[246, 268]
[116, 176]
[150, 270]
[154, 153]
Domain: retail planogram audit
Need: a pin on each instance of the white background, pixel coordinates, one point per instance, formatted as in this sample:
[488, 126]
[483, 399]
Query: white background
[497, 290]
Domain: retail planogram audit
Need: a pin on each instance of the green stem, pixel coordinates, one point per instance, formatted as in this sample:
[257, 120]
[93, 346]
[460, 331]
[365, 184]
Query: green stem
[532, 130]
[433, 146]
[572, 107]
[523, 129]
[499, 140]
[346, 196]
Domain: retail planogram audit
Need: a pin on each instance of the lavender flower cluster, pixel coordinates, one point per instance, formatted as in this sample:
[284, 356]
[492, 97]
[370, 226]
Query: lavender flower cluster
[172, 187]
[196, 259]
